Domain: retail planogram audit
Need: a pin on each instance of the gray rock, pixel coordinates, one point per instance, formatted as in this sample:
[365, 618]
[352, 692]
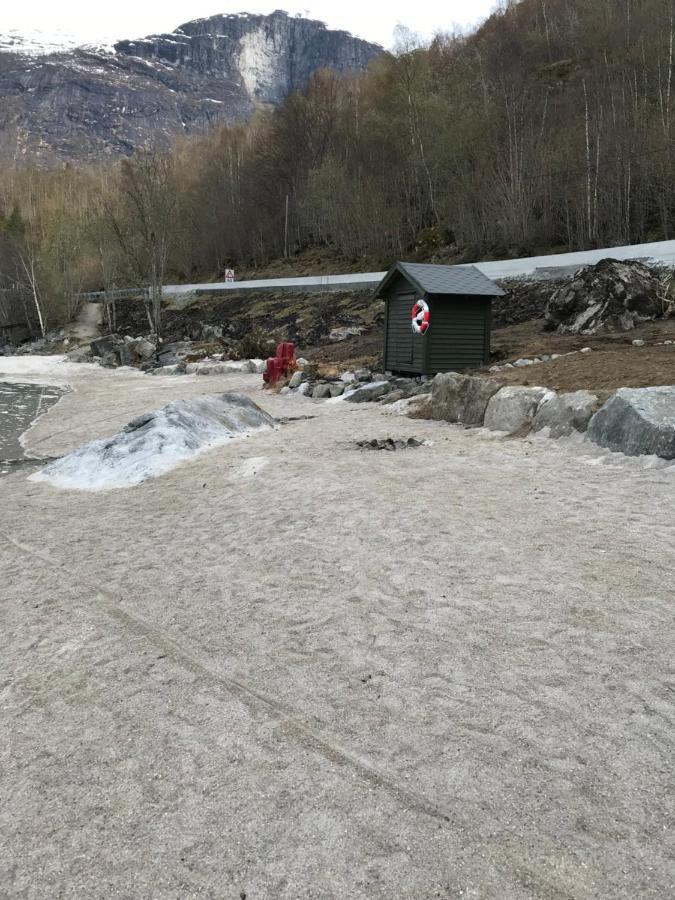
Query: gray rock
[80, 355]
[460, 398]
[142, 348]
[305, 389]
[212, 332]
[296, 380]
[638, 343]
[563, 414]
[348, 377]
[174, 352]
[513, 408]
[363, 375]
[342, 333]
[125, 355]
[210, 369]
[369, 392]
[103, 345]
[337, 389]
[523, 362]
[392, 397]
[637, 421]
[321, 391]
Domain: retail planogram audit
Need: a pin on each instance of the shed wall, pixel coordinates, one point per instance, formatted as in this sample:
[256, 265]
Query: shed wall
[459, 335]
[404, 350]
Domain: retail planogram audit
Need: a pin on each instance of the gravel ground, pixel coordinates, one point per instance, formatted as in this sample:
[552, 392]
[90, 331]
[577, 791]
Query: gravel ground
[292, 669]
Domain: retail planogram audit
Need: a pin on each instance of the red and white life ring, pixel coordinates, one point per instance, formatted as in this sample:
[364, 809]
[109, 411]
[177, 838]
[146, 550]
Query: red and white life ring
[420, 317]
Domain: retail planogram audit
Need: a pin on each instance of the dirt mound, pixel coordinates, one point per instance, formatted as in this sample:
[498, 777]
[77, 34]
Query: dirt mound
[610, 295]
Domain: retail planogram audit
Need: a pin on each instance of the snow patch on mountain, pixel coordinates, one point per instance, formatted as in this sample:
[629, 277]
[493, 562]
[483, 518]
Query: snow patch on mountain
[36, 42]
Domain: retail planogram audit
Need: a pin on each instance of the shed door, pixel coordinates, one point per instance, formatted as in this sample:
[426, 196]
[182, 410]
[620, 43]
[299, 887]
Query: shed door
[404, 348]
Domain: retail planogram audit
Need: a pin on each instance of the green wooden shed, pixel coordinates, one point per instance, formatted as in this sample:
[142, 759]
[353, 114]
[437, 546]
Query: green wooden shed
[437, 318]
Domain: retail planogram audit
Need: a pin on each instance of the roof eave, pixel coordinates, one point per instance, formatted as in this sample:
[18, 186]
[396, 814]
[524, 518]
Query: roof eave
[399, 268]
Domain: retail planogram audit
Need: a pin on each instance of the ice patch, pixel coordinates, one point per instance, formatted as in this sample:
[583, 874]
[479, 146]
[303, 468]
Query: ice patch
[153, 444]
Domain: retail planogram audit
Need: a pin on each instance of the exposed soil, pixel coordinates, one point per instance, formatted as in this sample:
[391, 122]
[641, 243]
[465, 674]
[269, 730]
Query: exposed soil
[309, 318]
[614, 362]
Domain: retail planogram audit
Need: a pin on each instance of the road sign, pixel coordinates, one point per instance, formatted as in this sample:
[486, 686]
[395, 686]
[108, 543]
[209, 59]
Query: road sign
[229, 274]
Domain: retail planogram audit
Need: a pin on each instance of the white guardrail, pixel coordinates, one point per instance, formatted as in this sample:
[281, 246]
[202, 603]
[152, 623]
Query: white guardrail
[661, 252]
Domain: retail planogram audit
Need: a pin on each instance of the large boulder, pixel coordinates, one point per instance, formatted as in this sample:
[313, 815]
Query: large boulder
[513, 408]
[142, 348]
[461, 398]
[417, 407]
[104, 345]
[637, 421]
[611, 294]
[563, 414]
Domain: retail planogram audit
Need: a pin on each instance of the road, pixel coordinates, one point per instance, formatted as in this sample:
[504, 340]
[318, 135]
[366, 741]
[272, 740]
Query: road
[662, 252]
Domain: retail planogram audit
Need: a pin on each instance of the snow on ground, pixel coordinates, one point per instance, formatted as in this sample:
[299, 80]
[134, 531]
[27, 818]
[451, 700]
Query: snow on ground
[438, 672]
[155, 443]
[53, 369]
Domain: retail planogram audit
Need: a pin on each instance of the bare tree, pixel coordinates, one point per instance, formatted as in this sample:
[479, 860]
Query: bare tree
[144, 222]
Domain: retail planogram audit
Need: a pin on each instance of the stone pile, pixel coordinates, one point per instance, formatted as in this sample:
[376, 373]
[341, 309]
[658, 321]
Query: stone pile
[112, 351]
[610, 295]
[633, 421]
[359, 386]
[474, 401]
[389, 444]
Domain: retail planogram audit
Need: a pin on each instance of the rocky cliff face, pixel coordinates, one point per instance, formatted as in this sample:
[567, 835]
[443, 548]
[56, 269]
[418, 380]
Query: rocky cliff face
[85, 104]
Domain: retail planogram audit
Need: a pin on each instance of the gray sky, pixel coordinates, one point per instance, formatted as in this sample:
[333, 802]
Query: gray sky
[97, 21]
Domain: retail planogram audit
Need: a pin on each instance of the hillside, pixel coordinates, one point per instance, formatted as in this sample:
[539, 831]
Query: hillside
[84, 104]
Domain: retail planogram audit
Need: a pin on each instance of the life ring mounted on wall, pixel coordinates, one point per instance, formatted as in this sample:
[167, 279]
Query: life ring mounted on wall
[420, 317]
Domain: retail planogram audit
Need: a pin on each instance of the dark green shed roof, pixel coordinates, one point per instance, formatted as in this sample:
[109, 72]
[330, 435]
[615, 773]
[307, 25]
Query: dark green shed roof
[460, 280]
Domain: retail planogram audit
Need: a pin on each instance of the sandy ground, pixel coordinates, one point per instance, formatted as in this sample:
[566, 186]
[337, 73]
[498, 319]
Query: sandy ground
[291, 669]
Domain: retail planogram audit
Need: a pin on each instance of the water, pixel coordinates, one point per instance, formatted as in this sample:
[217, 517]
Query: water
[20, 406]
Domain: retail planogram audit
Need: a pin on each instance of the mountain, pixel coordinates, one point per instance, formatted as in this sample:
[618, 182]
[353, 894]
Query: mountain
[85, 103]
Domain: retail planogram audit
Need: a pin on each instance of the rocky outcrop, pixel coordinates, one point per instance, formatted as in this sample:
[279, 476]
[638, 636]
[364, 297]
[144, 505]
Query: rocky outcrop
[609, 295]
[87, 104]
[637, 421]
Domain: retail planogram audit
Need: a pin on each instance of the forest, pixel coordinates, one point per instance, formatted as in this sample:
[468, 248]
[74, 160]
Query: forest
[547, 128]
